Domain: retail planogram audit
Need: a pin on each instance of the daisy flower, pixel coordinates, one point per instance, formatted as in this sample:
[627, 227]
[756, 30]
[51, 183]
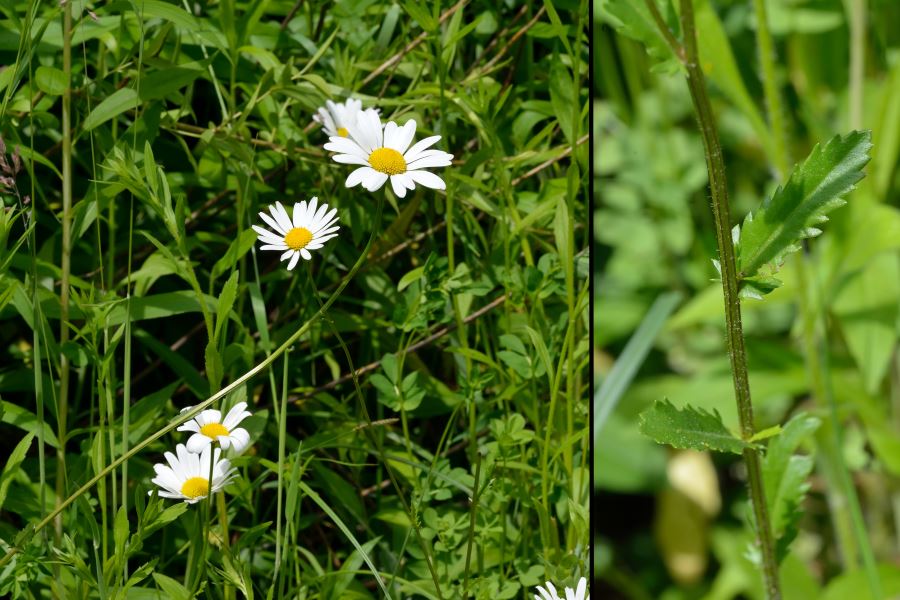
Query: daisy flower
[209, 427]
[386, 153]
[311, 227]
[334, 117]
[580, 593]
[186, 477]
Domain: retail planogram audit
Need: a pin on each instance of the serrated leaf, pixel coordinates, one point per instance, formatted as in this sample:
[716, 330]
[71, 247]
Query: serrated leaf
[791, 215]
[785, 478]
[689, 428]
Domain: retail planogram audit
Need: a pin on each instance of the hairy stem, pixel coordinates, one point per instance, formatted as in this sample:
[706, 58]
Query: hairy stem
[689, 55]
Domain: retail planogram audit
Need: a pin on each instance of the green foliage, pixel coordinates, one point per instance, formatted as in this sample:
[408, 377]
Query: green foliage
[786, 478]
[689, 427]
[410, 450]
[797, 208]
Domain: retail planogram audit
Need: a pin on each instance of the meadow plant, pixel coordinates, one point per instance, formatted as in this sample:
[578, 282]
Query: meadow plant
[361, 423]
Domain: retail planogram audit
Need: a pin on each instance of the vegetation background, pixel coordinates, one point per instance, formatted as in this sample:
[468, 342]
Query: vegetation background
[674, 524]
[427, 436]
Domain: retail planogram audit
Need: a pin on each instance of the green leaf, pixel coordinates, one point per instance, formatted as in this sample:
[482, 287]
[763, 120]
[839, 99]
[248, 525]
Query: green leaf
[813, 189]
[784, 477]
[346, 531]
[171, 588]
[689, 428]
[237, 249]
[12, 464]
[120, 531]
[410, 277]
[226, 302]
[633, 19]
[50, 80]
[114, 105]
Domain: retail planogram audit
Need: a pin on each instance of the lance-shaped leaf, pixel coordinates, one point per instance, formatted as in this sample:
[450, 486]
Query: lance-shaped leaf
[785, 479]
[691, 428]
[797, 208]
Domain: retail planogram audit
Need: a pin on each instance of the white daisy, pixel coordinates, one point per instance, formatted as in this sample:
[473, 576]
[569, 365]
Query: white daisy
[334, 117]
[386, 153]
[187, 475]
[208, 427]
[309, 229]
[577, 594]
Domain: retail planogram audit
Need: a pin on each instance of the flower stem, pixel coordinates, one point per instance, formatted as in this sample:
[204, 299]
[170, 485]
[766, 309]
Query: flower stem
[689, 56]
[66, 265]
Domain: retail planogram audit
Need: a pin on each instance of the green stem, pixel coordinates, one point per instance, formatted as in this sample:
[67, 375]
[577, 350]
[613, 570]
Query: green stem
[843, 497]
[196, 410]
[66, 266]
[734, 329]
[226, 543]
[857, 17]
[777, 126]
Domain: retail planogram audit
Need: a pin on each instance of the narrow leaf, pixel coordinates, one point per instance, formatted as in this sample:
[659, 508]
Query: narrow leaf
[691, 428]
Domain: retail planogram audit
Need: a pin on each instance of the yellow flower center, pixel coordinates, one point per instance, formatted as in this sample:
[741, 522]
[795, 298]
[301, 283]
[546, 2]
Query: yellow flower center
[214, 430]
[387, 160]
[298, 238]
[342, 131]
[195, 487]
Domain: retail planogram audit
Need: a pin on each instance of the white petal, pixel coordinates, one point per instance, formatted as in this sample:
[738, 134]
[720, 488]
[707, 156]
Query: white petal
[197, 442]
[268, 238]
[271, 222]
[427, 179]
[343, 145]
[278, 247]
[305, 253]
[287, 254]
[294, 260]
[237, 414]
[359, 132]
[281, 215]
[413, 153]
[325, 221]
[240, 439]
[390, 131]
[404, 136]
[310, 211]
[374, 180]
[349, 159]
[375, 125]
[189, 426]
[438, 159]
[357, 176]
[211, 415]
[397, 185]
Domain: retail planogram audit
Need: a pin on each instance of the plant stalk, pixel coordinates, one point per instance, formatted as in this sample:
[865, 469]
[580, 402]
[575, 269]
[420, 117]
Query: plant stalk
[66, 264]
[689, 56]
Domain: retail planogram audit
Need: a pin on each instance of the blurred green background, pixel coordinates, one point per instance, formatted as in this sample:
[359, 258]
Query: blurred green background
[673, 524]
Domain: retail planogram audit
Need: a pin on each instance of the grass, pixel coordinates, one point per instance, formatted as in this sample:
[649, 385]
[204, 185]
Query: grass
[131, 286]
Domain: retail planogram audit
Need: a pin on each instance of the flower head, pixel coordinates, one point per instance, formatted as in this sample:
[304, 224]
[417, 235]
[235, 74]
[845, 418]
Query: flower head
[335, 117]
[386, 153]
[580, 593]
[312, 225]
[186, 477]
[209, 427]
